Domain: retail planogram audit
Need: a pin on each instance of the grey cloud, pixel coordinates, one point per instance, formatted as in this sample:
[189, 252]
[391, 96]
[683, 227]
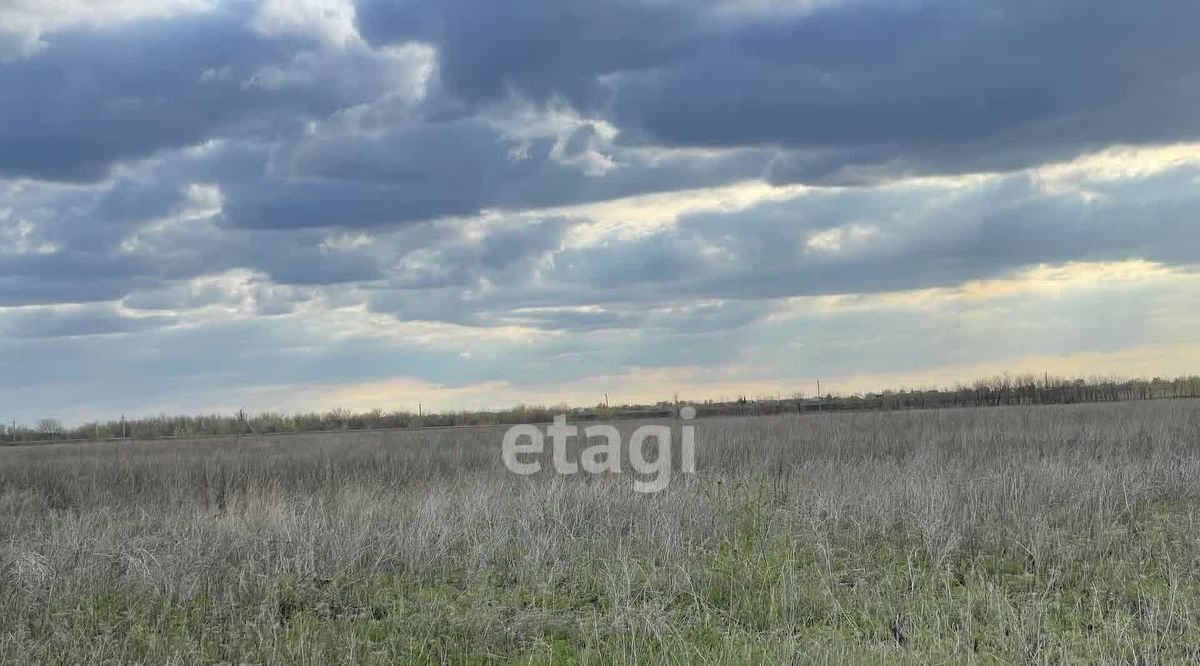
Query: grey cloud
[75, 321]
[889, 239]
[983, 232]
[93, 98]
[659, 319]
[847, 92]
[572, 319]
[539, 50]
[412, 172]
[253, 294]
[334, 171]
[933, 86]
[857, 89]
[197, 366]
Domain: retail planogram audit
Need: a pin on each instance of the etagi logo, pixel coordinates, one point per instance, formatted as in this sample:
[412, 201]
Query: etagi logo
[607, 456]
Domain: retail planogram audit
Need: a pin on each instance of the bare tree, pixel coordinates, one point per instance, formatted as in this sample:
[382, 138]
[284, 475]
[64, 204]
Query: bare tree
[49, 428]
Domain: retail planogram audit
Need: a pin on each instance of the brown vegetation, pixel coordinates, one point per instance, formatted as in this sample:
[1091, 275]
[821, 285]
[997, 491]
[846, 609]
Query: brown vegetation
[996, 535]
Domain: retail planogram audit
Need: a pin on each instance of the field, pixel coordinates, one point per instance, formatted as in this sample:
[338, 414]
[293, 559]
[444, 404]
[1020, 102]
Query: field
[993, 535]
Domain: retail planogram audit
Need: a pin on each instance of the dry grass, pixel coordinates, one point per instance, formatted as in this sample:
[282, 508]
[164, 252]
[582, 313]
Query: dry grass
[1042, 534]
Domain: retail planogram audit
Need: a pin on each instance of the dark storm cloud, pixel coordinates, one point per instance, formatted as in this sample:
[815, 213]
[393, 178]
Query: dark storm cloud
[420, 171]
[919, 73]
[92, 98]
[919, 85]
[95, 97]
[27, 279]
[845, 92]
[535, 49]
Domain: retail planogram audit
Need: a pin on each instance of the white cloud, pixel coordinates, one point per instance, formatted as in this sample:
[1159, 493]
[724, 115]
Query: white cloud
[330, 21]
[194, 219]
[844, 239]
[1113, 164]
[580, 142]
[25, 23]
[19, 236]
[342, 242]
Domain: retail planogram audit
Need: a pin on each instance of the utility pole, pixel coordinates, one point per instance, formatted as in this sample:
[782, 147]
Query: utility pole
[820, 400]
[122, 426]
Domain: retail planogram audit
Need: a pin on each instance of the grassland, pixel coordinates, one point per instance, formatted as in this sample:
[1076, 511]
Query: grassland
[1002, 535]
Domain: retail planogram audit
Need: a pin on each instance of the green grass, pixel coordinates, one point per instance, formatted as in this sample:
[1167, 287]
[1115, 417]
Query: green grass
[759, 596]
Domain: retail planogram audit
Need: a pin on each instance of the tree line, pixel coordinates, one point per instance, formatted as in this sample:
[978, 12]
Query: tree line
[1025, 389]
[1000, 390]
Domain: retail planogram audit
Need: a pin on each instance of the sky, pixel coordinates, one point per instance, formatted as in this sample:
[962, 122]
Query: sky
[212, 205]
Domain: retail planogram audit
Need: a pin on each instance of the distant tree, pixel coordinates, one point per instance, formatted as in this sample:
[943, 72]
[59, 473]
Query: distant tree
[49, 428]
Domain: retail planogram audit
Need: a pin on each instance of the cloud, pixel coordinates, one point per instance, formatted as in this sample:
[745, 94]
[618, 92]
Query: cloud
[1054, 317]
[25, 24]
[514, 196]
[375, 166]
[822, 241]
[852, 90]
[75, 321]
[927, 87]
[94, 98]
[331, 21]
[536, 50]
